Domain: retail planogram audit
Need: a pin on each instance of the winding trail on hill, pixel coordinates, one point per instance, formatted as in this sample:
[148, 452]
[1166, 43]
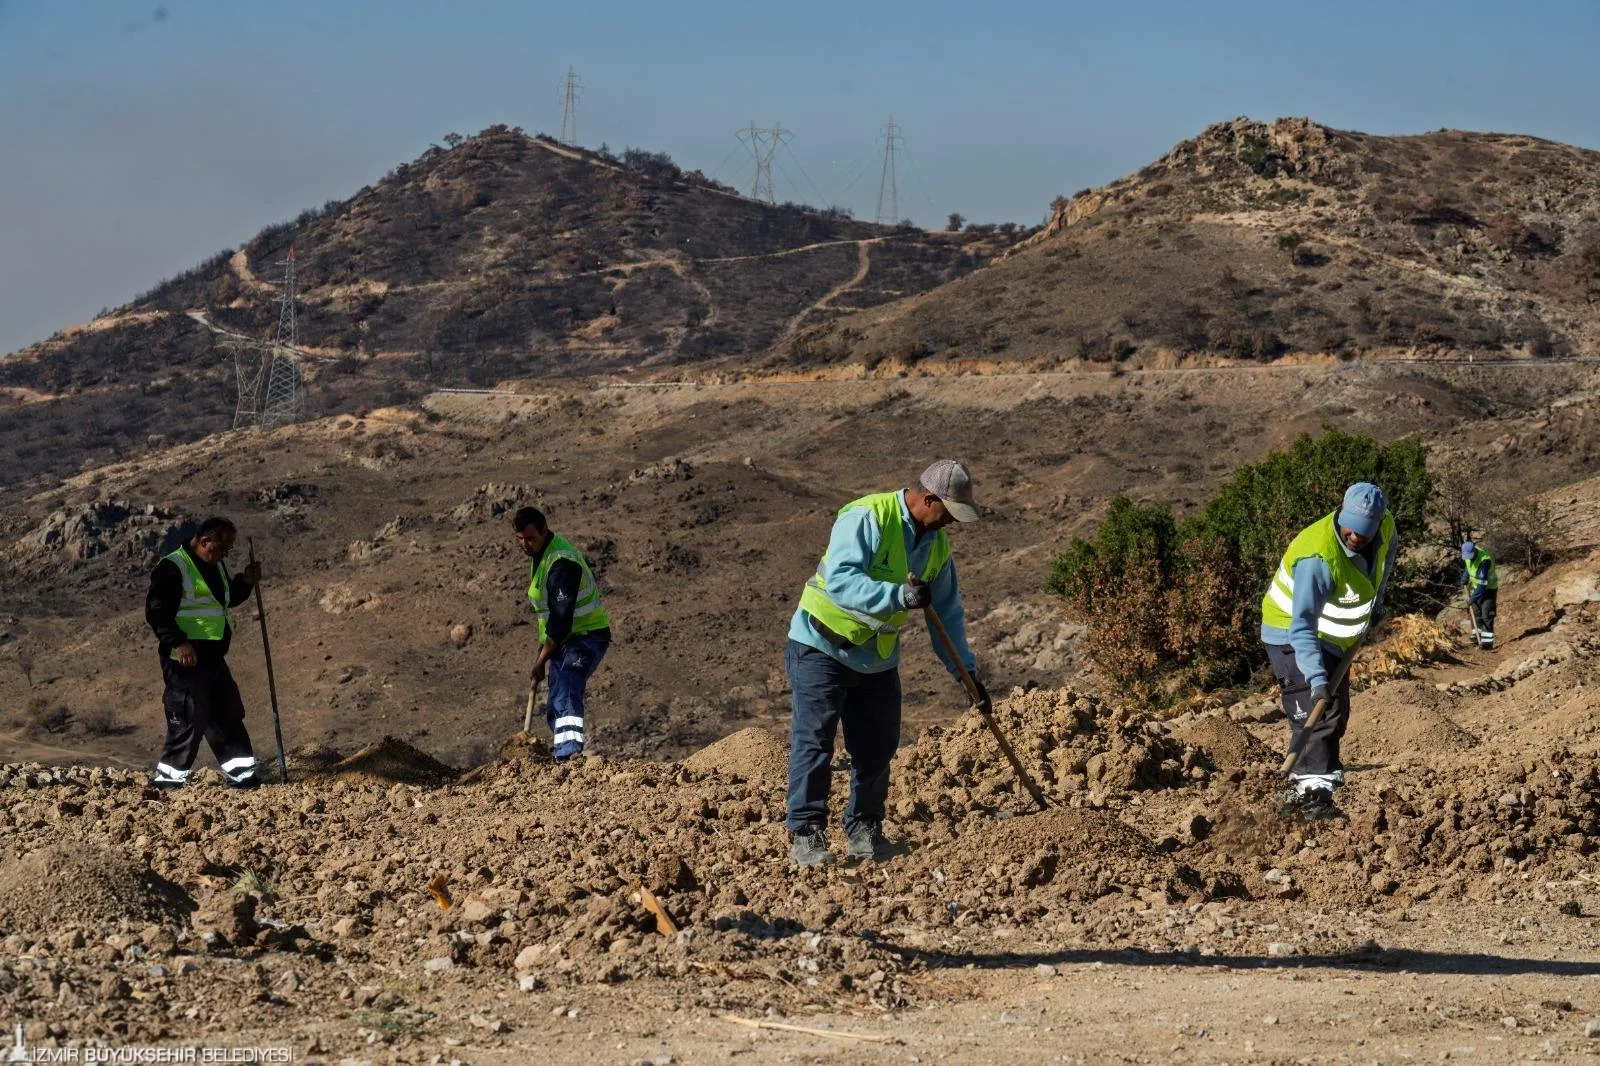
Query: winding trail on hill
[863, 267]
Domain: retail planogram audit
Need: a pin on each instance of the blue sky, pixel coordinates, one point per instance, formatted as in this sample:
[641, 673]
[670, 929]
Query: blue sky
[140, 137]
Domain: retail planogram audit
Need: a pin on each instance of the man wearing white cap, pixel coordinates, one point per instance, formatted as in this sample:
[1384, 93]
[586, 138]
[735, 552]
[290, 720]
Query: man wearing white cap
[887, 556]
[1327, 591]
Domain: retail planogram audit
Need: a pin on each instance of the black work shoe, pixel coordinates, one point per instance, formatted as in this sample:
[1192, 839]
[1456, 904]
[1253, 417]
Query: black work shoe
[811, 848]
[1316, 805]
[868, 842]
[165, 785]
[247, 784]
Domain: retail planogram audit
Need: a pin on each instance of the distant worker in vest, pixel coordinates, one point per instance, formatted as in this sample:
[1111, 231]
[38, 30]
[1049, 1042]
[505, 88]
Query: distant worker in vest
[1327, 591]
[887, 556]
[187, 607]
[1482, 579]
[574, 630]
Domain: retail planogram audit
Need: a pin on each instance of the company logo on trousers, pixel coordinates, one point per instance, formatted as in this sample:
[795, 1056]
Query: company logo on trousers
[19, 1050]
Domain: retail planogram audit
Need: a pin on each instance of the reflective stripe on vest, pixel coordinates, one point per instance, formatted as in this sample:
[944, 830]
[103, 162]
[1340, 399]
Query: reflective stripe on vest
[588, 615]
[890, 564]
[1481, 563]
[1348, 611]
[201, 615]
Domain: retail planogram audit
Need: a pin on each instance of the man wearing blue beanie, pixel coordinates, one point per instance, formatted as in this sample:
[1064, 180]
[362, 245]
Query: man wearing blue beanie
[1328, 590]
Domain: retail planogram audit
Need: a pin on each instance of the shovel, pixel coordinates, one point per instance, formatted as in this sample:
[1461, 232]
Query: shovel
[975, 696]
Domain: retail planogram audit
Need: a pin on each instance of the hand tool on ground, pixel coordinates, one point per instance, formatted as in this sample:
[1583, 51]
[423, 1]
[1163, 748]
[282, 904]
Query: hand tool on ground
[976, 696]
[1477, 630]
[272, 684]
[527, 715]
[1323, 704]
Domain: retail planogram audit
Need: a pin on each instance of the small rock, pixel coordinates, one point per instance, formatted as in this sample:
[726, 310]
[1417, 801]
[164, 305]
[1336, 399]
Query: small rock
[1044, 969]
[347, 927]
[1279, 949]
[493, 1025]
[460, 634]
[528, 983]
[1591, 1028]
[440, 964]
[1572, 908]
[1509, 1022]
[1271, 1019]
[475, 910]
[527, 957]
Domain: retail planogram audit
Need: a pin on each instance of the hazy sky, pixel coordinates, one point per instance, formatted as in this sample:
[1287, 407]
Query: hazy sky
[139, 137]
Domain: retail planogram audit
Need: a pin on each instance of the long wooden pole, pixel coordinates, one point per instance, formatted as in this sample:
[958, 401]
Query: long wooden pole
[272, 684]
[976, 696]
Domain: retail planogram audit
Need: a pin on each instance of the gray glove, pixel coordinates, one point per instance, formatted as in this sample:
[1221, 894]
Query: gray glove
[1318, 694]
[914, 594]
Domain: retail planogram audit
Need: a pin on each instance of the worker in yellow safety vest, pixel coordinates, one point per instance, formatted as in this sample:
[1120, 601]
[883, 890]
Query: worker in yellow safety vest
[574, 629]
[188, 609]
[1327, 591]
[887, 556]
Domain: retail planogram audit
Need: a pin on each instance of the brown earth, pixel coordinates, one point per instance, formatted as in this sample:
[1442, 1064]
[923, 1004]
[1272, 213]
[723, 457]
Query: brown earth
[499, 914]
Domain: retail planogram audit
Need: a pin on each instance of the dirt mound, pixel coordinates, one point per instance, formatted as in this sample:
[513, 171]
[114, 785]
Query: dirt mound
[1080, 855]
[84, 884]
[1401, 722]
[392, 761]
[1075, 746]
[756, 755]
[1229, 744]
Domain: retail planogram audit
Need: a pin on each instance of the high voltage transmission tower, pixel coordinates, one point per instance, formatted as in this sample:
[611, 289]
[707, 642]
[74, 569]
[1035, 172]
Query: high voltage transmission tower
[763, 144]
[285, 390]
[894, 142]
[277, 370]
[571, 93]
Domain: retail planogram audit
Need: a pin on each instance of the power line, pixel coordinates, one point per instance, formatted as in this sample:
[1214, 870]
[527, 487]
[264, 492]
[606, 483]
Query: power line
[888, 184]
[571, 93]
[822, 201]
[763, 144]
[917, 174]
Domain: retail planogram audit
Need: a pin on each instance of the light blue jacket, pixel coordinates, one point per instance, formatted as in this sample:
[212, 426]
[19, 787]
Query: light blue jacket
[1313, 584]
[851, 546]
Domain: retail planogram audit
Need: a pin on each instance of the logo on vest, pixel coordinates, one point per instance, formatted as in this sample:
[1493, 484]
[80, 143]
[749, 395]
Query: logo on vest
[1350, 596]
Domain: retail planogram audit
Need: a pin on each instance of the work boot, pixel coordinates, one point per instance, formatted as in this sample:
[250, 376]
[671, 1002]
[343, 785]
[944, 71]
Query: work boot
[868, 842]
[811, 848]
[246, 785]
[1316, 805]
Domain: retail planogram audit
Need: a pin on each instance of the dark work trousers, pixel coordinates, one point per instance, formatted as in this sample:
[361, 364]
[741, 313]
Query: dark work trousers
[1318, 765]
[569, 671]
[1486, 610]
[826, 694]
[201, 701]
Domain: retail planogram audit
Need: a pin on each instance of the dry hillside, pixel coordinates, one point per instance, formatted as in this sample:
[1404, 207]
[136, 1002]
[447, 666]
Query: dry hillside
[504, 256]
[1256, 240]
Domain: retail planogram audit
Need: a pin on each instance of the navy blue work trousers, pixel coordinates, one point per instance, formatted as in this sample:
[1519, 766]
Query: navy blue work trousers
[827, 694]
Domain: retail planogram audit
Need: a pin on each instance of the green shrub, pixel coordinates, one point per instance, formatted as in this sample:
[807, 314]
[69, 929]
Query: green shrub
[1175, 607]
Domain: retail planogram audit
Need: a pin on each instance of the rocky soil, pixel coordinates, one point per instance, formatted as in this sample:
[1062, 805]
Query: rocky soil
[386, 907]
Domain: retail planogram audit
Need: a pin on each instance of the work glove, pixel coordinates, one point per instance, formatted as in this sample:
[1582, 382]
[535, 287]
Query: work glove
[985, 703]
[1318, 694]
[914, 594]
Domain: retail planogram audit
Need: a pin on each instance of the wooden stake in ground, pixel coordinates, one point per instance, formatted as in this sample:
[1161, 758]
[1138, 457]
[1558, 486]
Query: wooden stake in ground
[664, 923]
[272, 684]
[865, 1038]
[976, 696]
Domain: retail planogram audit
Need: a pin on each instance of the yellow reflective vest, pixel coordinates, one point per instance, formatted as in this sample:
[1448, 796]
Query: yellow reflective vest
[202, 615]
[1348, 611]
[889, 564]
[587, 614]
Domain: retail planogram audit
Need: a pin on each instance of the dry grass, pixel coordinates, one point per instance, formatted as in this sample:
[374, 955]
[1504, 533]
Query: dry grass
[1413, 640]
